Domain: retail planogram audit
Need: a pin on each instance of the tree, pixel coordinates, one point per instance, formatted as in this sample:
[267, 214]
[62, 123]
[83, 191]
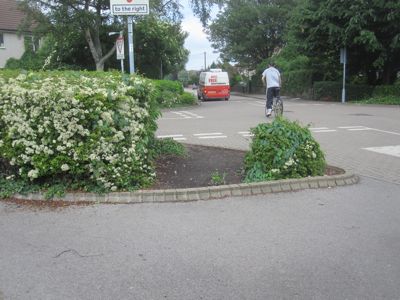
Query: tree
[88, 20]
[370, 30]
[249, 31]
[63, 17]
[159, 47]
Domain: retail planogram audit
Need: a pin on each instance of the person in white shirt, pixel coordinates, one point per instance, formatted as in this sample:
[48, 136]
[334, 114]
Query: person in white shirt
[272, 79]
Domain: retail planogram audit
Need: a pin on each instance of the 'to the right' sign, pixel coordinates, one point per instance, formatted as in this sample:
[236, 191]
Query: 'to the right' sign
[129, 7]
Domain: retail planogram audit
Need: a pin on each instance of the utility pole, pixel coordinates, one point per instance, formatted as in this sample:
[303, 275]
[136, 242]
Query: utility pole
[205, 60]
[130, 39]
[343, 60]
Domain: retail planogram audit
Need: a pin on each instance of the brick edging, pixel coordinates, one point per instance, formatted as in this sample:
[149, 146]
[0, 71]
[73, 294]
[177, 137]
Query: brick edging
[205, 193]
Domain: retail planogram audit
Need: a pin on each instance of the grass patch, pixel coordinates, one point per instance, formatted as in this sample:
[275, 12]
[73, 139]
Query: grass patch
[388, 100]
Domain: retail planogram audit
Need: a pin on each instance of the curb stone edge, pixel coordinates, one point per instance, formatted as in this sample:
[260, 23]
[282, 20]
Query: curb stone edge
[205, 193]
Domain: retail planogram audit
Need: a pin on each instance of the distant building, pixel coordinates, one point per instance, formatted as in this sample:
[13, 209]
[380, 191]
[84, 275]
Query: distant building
[12, 43]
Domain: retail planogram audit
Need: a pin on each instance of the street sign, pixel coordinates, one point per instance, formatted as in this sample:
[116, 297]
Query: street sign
[119, 43]
[129, 7]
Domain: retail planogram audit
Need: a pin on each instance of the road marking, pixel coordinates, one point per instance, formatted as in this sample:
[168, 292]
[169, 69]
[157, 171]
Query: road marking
[184, 115]
[350, 127]
[169, 136]
[324, 130]
[359, 129]
[213, 137]
[318, 128]
[175, 137]
[245, 133]
[390, 132]
[190, 114]
[210, 133]
[388, 150]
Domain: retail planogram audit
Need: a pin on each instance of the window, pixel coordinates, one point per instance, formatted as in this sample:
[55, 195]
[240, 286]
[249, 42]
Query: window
[1, 40]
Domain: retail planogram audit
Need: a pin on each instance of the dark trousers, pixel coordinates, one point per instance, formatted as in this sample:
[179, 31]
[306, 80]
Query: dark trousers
[271, 93]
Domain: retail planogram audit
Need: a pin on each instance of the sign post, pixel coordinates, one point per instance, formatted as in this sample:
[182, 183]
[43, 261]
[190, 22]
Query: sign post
[119, 43]
[343, 60]
[130, 8]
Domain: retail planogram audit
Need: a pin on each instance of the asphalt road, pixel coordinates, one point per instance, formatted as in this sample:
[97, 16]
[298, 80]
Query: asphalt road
[364, 139]
[339, 243]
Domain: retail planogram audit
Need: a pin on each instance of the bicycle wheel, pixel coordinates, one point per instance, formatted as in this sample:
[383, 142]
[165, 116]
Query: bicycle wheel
[278, 107]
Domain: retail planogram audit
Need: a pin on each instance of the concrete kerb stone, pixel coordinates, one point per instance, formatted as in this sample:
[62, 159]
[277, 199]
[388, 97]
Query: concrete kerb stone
[206, 193]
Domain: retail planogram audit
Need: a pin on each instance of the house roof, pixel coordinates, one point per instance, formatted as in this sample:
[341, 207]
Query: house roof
[10, 16]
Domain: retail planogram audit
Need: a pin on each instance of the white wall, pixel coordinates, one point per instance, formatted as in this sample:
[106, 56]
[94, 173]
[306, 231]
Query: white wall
[13, 47]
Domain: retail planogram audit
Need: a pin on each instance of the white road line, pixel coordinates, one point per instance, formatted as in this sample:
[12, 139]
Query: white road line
[359, 129]
[326, 130]
[318, 128]
[192, 114]
[349, 127]
[184, 116]
[169, 136]
[388, 150]
[210, 133]
[247, 135]
[390, 132]
[213, 137]
[179, 139]
[243, 132]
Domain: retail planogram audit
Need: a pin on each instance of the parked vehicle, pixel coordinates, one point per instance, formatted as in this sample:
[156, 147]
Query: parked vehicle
[213, 84]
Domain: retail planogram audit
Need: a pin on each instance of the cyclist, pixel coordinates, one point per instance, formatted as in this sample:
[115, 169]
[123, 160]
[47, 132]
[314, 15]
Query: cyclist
[272, 79]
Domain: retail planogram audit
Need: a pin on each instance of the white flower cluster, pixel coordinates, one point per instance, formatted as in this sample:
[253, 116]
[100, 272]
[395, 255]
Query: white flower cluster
[54, 122]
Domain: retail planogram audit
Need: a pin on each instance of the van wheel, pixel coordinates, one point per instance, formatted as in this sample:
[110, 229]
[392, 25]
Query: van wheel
[227, 98]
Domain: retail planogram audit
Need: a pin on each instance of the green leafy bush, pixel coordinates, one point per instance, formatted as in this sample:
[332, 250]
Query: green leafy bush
[389, 100]
[283, 149]
[85, 129]
[171, 94]
[386, 90]
[297, 83]
[332, 91]
[168, 146]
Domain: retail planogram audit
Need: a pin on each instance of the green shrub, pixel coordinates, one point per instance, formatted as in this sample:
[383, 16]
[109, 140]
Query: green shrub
[187, 98]
[170, 93]
[283, 149]
[332, 91]
[391, 100]
[168, 146]
[297, 83]
[85, 129]
[386, 90]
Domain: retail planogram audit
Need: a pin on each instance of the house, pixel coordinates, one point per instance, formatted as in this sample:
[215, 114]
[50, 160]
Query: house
[11, 41]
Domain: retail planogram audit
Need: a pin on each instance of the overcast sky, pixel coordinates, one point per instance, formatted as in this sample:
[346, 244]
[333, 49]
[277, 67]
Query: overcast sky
[197, 42]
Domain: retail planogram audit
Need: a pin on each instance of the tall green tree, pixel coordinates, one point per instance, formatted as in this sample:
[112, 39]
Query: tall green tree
[248, 31]
[159, 47]
[369, 29]
[72, 21]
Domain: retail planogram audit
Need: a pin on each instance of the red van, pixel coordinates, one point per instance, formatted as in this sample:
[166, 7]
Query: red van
[214, 84]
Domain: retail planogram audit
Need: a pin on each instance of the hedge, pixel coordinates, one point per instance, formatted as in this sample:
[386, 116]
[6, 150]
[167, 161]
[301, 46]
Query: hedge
[297, 83]
[170, 93]
[332, 91]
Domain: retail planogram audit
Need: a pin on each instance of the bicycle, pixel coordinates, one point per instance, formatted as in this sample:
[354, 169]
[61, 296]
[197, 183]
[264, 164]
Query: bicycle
[277, 107]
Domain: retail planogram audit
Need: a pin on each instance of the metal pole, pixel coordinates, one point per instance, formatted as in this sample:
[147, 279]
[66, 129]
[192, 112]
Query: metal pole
[121, 34]
[205, 61]
[344, 83]
[130, 41]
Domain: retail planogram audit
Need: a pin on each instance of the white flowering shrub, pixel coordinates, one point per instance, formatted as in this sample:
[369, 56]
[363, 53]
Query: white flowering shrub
[85, 128]
[283, 149]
